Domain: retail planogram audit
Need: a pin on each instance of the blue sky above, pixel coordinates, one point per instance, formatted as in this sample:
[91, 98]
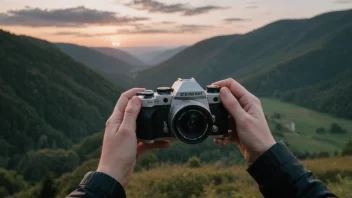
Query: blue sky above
[150, 22]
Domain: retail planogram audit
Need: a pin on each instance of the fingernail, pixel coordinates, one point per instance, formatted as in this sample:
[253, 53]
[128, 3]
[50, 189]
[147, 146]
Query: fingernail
[135, 100]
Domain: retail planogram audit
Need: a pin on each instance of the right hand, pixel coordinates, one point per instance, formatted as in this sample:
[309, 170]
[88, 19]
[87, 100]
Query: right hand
[250, 132]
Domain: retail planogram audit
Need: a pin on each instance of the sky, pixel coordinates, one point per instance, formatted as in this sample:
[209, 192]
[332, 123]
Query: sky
[136, 23]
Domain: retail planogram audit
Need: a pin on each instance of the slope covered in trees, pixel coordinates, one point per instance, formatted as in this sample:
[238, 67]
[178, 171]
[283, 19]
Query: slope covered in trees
[121, 55]
[47, 100]
[112, 68]
[280, 59]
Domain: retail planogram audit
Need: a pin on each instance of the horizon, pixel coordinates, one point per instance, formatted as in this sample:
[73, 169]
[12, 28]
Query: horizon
[150, 23]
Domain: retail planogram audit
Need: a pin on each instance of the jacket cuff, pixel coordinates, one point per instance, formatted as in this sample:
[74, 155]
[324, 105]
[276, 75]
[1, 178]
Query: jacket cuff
[269, 162]
[104, 183]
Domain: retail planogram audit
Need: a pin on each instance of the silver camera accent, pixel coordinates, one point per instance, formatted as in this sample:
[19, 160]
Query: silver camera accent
[189, 117]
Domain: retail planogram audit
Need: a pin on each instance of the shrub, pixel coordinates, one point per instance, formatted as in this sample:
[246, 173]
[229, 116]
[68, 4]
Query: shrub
[193, 162]
[323, 155]
[56, 161]
[276, 115]
[147, 161]
[337, 129]
[347, 150]
[278, 126]
[320, 130]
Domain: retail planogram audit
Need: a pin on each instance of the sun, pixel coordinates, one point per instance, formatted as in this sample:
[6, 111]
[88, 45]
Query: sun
[116, 44]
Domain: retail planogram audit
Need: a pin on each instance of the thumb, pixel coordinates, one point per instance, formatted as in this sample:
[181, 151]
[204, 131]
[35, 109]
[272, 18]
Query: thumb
[231, 104]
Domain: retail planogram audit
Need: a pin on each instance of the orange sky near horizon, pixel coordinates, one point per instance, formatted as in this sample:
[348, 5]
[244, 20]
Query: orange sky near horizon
[169, 23]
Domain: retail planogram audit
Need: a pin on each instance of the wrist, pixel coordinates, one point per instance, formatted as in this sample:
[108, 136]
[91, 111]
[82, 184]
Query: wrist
[261, 150]
[114, 173]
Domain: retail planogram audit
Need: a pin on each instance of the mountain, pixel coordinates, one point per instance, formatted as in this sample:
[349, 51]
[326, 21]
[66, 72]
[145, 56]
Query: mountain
[96, 60]
[121, 55]
[116, 70]
[153, 55]
[47, 99]
[280, 59]
[165, 55]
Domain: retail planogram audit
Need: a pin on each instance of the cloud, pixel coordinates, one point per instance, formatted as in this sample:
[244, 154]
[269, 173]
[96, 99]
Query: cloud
[230, 20]
[71, 33]
[343, 1]
[69, 17]
[143, 29]
[179, 29]
[184, 9]
[252, 7]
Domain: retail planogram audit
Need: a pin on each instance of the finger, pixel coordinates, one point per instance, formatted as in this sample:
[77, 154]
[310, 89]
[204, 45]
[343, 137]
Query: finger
[121, 104]
[142, 147]
[130, 116]
[231, 123]
[226, 141]
[234, 136]
[218, 141]
[236, 88]
[231, 104]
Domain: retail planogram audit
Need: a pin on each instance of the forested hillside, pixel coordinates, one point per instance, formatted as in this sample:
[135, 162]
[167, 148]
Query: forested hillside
[112, 68]
[282, 59]
[47, 100]
[122, 55]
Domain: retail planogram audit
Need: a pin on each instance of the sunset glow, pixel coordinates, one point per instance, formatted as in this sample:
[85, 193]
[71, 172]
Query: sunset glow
[101, 22]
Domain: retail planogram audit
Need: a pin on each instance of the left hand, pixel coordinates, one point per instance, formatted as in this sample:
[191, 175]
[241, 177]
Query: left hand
[120, 149]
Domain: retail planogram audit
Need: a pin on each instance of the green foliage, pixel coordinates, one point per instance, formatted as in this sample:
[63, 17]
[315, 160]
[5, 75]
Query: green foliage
[89, 148]
[48, 189]
[10, 182]
[278, 126]
[337, 129]
[193, 162]
[347, 150]
[276, 115]
[320, 130]
[47, 100]
[112, 68]
[146, 161]
[36, 164]
[306, 62]
[69, 181]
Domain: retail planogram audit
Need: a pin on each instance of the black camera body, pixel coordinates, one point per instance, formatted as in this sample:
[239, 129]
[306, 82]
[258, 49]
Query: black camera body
[184, 111]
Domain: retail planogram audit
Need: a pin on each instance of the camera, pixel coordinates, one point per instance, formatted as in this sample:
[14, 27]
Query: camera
[184, 111]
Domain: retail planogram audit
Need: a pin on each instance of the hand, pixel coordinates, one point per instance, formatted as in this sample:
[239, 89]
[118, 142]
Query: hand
[120, 149]
[249, 130]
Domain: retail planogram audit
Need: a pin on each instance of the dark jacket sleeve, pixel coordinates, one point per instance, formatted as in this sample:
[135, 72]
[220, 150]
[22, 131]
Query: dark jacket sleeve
[96, 185]
[280, 174]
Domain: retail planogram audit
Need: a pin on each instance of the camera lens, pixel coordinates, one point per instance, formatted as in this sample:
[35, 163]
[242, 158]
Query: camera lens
[191, 122]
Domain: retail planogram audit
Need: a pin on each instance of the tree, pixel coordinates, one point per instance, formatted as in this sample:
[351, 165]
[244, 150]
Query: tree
[276, 115]
[337, 129]
[320, 130]
[59, 161]
[10, 182]
[323, 154]
[193, 162]
[48, 189]
[278, 126]
[347, 150]
[147, 160]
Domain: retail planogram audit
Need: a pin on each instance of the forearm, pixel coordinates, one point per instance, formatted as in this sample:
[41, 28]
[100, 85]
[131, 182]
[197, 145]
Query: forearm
[96, 185]
[280, 174]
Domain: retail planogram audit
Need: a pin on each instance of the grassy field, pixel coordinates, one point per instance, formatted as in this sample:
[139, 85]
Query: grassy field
[218, 181]
[307, 121]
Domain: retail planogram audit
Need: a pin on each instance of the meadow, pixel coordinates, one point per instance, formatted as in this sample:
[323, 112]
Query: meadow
[305, 138]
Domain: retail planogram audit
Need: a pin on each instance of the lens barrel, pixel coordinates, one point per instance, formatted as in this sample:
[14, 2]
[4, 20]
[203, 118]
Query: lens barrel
[191, 122]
